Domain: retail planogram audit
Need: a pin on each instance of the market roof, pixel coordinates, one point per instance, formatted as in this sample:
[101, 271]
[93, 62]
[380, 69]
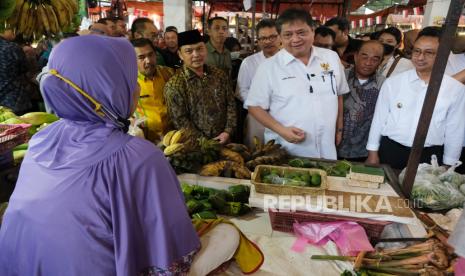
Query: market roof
[326, 8]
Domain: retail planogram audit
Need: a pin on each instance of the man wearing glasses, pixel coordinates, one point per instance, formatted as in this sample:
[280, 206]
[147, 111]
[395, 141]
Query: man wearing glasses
[399, 106]
[143, 27]
[269, 43]
[294, 94]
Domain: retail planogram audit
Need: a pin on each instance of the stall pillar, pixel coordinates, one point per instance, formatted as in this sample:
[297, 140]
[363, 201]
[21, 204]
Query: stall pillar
[434, 10]
[178, 13]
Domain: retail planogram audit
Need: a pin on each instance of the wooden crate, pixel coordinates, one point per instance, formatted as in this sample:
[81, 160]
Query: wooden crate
[362, 184]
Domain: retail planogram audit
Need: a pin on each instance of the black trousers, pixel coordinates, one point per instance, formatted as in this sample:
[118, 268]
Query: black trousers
[396, 155]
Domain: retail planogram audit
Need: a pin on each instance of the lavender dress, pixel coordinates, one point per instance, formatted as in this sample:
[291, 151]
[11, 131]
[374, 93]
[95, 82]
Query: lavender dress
[91, 200]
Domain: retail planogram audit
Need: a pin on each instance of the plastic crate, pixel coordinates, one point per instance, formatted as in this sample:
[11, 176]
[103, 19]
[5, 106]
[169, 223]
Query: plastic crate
[12, 136]
[283, 221]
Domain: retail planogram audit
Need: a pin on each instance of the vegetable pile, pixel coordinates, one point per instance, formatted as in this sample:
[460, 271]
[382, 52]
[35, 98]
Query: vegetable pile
[428, 258]
[340, 168]
[436, 188]
[206, 203]
[291, 178]
[37, 120]
[207, 157]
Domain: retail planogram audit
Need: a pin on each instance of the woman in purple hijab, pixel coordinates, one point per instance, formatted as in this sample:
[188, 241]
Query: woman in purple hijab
[90, 199]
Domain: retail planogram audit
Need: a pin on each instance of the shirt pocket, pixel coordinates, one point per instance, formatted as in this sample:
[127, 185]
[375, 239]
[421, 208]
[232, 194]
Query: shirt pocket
[323, 84]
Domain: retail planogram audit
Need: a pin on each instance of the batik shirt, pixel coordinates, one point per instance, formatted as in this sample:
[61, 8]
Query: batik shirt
[359, 107]
[204, 104]
[14, 90]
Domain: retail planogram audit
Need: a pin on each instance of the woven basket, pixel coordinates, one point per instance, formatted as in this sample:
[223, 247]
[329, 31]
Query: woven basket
[283, 221]
[277, 189]
[12, 136]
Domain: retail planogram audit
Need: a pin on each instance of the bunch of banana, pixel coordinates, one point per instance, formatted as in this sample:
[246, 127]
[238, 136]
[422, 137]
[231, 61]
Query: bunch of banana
[269, 153]
[173, 142]
[35, 18]
[225, 168]
[209, 148]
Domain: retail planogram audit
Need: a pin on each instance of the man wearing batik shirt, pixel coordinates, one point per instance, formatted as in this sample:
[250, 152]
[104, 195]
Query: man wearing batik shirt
[200, 97]
[14, 89]
[359, 104]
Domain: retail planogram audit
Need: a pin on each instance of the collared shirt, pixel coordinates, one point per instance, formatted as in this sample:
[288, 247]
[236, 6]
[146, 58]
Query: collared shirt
[398, 110]
[359, 107]
[303, 96]
[14, 89]
[220, 60]
[246, 73]
[455, 63]
[152, 103]
[205, 105]
[402, 66]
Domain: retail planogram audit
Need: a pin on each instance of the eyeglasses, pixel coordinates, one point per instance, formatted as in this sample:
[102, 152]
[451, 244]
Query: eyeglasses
[300, 34]
[270, 38]
[416, 52]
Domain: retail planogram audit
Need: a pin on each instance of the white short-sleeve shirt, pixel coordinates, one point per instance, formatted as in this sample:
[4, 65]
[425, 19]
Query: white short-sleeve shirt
[303, 96]
[246, 73]
[398, 109]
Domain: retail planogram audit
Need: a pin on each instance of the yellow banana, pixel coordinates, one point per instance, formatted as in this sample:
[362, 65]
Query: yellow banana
[74, 5]
[61, 13]
[167, 138]
[177, 136]
[52, 19]
[69, 13]
[39, 30]
[30, 22]
[43, 18]
[22, 19]
[172, 149]
[13, 19]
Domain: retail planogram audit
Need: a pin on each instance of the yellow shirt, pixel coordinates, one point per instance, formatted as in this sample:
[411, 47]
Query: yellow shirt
[152, 103]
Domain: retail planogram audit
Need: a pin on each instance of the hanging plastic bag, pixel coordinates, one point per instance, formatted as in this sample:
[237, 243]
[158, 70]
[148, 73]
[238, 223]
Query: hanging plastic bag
[452, 177]
[432, 189]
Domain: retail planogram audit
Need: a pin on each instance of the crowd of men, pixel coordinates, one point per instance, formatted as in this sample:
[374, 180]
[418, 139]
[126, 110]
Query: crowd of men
[314, 89]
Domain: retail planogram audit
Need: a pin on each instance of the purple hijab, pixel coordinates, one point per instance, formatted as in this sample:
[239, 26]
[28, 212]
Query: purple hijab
[90, 199]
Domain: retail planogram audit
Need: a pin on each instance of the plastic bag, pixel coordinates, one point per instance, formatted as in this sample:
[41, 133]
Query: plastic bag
[452, 177]
[134, 129]
[432, 189]
[349, 236]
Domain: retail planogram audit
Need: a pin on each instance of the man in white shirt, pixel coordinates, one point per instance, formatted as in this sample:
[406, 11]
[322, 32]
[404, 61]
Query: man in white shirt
[456, 69]
[269, 43]
[294, 94]
[399, 106]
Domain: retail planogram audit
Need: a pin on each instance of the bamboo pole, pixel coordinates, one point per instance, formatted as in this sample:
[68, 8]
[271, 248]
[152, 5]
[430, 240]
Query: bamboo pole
[445, 45]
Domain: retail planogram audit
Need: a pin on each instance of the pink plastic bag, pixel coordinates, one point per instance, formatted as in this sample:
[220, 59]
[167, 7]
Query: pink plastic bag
[349, 236]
